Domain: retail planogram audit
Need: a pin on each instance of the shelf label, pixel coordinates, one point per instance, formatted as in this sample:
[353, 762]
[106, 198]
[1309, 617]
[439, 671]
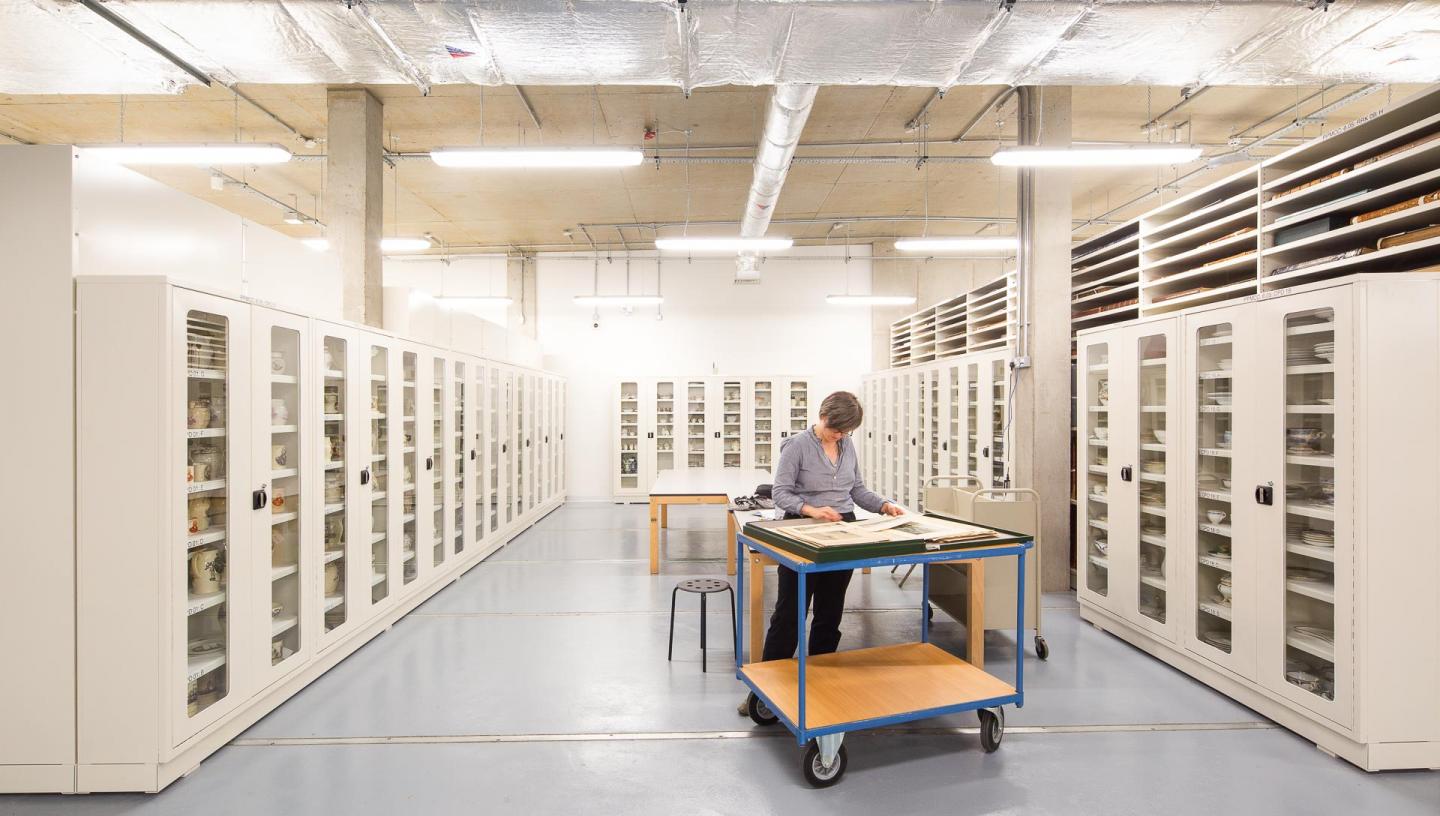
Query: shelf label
[1216, 529]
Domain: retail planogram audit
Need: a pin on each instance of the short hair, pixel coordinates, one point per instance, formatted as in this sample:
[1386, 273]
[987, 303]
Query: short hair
[842, 412]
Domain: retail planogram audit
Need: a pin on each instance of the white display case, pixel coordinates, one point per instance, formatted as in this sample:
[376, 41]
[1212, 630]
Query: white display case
[291, 487]
[1300, 532]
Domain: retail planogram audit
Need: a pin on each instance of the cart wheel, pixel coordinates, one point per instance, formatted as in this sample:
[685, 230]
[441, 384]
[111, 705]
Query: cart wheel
[992, 728]
[1042, 649]
[818, 775]
[759, 712]
[930, 612]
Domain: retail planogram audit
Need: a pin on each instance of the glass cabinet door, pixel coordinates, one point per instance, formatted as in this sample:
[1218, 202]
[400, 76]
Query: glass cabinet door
[628, 457]
[1153, 473]
[211, 362]
[279, 360]
[955, 429]
[730, 435]
[972, 421]
[437, 461]
[495, 494]
[518, 439]
[695, 424]
[1307, 609]
[762, 400]
[479, 466]
[799, 406]
[382, 407]
[336, 454]
[409, 467]
[935, 446]
[999, 427]
[665, 404]
[1095, 464]
[457, 469]
[507, 418]
[1225, 406]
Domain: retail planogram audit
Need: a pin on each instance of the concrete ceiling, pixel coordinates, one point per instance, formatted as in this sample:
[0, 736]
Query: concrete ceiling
[490, 209]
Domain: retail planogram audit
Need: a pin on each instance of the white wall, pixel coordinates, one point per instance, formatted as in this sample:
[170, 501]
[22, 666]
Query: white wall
[711, 326]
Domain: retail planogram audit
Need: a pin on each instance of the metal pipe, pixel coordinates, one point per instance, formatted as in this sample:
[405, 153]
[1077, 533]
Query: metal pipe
[995, 101]
[144, 39]
[1315, 116]
[914, 122]
[249, 188]
[1185, 100]
[308, 141]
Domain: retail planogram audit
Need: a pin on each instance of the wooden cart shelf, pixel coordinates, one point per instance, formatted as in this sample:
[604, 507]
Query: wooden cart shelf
[867, 684]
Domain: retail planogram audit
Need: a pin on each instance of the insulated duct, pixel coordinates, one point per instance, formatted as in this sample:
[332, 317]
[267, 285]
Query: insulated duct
[784, 120]
[715, 42]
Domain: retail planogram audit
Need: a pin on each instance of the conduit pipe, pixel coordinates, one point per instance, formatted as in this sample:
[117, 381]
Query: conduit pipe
[789, 108]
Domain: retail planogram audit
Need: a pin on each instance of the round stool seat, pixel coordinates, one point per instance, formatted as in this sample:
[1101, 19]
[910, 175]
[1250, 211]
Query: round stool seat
[703, 585]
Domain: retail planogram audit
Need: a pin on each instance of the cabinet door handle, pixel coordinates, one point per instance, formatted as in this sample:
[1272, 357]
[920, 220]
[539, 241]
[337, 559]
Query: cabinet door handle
[944, 446]
[505, 448]
[472, 454]
[1126, 473]
[429, 463]
[984, 451]
[259, 499]
[364, 476]
[1265, 494]
[717, 434]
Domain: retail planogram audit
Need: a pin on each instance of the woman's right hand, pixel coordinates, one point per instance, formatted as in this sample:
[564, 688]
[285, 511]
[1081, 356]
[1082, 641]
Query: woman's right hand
[820, 513]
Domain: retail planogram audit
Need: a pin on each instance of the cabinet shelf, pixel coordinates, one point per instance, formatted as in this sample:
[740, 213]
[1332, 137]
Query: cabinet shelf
[283, 571]
[1312, 589]
[197, 666]
[1216, 529]
[1151, 477]
[1216, 495]
[1153, 540]
[1100, 561]
[1309, 409]
[280, 626]
[200, 603]
[1216, 610]
[332, 555]
[207, 537]
[1310, 461]
[1312, 645]
[376, 538]
[332, 601]
[277, 519]
[377, 496]
[1153, 510]
[1218, 453]
[205, 373]
[284, 473]
[284, 429]
[331, 509]
[334, 417]
[205, 487]
[1214, 561]
[1311, 551]
[284, 379]
[1314, 511]
[1219, 374]
[1157, 581]
[376, 578]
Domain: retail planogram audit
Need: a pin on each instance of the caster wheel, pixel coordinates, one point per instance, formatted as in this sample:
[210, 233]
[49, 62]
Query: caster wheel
[817, 774]
[759, 712]
[992, 728]
[1042, 649]
[929, 612]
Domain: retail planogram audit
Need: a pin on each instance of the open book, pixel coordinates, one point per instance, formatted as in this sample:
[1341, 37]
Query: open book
[908, 527]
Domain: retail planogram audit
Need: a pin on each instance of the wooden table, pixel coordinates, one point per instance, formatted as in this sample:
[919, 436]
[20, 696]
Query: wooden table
[700, 486]
[755, 596]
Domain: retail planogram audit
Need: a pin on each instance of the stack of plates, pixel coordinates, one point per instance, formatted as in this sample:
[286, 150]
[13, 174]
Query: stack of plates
[1325, 351]
[1318, 538]
[1153, 467]
[1222, 397]
[1216, 637]
[1308, 576]
[1326, 635]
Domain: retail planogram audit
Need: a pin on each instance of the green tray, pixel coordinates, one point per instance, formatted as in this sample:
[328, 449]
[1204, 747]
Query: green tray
[764, 531]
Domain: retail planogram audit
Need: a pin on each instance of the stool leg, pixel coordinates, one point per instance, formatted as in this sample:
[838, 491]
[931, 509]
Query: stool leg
[670, 655]
[702, 632]
[734, 629]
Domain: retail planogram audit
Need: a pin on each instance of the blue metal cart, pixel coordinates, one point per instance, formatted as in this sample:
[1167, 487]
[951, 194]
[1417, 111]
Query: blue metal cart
[820, 698]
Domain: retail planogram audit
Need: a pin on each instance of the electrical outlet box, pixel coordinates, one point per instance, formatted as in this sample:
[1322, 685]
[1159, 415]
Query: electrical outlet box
[1020, 362]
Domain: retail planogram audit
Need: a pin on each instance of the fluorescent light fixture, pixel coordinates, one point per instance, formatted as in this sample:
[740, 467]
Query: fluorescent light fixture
[723, 244]
[404, 244]
[971, 244]
[317, 244]
[293, 217]
[468, 300]
[1122, 156]
[202, 154]
[535, 157]
[618, 300]
[869, 300]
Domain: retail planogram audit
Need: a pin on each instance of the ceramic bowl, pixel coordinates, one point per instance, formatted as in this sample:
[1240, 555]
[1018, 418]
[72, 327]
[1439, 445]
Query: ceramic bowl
[1159, 435]
[1102, 432]
[1101, 545]
[1215, 516]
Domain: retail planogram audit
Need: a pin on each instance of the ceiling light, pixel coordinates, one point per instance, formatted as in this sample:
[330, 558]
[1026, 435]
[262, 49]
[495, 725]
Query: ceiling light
[971, 244]
[618, 300]
[404, 244]
[722, 244]
[1125, 156]
[869, 300]
[470, 300]
[317, 244]
[292, 217]
[535, 157]
[202, 154]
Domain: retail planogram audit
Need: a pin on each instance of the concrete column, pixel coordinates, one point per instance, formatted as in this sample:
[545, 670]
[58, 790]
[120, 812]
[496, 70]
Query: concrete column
[1042, 396]
[354, 200]
[520, 286]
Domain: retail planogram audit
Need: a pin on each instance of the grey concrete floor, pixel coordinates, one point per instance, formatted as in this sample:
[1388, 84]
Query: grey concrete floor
[537, 683]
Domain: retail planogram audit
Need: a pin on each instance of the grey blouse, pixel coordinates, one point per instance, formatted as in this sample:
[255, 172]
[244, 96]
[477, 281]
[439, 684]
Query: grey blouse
[805, 476]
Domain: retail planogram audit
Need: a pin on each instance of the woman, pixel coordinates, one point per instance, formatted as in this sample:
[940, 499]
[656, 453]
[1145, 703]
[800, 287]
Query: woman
[819, 477]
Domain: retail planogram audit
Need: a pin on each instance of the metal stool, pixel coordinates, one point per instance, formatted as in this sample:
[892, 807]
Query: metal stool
[702, 587]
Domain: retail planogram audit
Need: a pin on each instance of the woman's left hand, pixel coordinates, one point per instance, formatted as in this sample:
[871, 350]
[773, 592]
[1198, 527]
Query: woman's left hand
[891, 509]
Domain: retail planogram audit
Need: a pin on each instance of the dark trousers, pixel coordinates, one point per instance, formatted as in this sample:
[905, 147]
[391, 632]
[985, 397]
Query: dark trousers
[824, 596]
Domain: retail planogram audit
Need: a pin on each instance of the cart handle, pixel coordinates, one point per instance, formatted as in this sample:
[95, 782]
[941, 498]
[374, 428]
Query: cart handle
[1021, 491]
[934, 481]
